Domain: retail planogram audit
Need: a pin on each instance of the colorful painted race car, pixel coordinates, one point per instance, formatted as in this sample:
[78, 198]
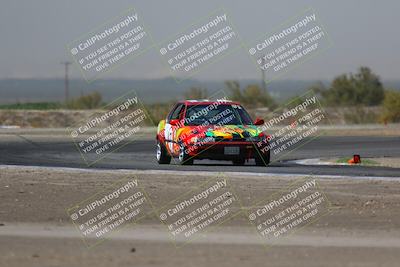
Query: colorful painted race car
[217, 130]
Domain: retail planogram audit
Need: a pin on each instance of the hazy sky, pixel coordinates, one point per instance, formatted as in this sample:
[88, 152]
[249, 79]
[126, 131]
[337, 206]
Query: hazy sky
[34, 35]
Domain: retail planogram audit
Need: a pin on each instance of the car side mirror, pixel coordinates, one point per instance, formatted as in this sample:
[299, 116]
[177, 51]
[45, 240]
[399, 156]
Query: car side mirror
[259, 121]
[174, 122]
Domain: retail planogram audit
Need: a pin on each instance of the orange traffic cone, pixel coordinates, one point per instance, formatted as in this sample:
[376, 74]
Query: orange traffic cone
[355, 160]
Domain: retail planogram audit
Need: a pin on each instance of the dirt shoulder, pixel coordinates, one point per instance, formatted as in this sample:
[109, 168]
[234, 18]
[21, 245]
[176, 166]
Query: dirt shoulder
[42, 195]
[362, 228]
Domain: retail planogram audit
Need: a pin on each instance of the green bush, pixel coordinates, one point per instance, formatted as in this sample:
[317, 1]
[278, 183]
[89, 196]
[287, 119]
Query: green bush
[252, 96]
[32, 106]
[90, 101]
[362, 88]
[391, 106]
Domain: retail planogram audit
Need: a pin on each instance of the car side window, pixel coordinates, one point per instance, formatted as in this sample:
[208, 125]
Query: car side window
[176, 112]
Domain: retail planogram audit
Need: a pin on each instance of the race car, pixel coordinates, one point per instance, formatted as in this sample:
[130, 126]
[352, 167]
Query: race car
[216, 130]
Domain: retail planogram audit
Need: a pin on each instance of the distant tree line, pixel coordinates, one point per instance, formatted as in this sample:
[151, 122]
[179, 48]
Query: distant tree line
[359, 90]
[363, 88]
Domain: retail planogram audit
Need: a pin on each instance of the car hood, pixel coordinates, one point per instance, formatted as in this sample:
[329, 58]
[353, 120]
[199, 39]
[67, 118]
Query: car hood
[225, 131]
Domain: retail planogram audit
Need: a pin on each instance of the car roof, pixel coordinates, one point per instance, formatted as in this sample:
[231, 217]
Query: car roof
[208, 102]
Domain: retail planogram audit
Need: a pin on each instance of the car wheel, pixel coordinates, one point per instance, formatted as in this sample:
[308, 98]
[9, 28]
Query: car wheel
[262, 159]
[239, 161]
[162, 154]
[184, 158]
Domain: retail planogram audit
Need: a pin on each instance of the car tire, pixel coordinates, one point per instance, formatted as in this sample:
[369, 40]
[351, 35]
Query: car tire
[184, 159]
[262, 159]
[239, 161]
[162, 154]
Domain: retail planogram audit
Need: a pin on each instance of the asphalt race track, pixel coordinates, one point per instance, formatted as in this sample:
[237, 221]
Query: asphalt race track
[140, 154]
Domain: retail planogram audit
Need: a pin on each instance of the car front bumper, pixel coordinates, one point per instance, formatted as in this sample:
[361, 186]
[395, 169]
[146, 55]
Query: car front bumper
[216, 150]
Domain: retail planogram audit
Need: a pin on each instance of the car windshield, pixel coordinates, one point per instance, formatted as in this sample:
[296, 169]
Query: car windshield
[220, 114]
